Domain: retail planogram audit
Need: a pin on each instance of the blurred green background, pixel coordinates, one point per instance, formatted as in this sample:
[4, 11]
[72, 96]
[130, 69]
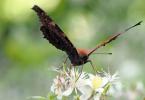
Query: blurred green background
[27, 60]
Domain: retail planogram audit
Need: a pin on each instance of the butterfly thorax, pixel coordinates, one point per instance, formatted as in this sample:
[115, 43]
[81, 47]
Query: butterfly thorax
[81, 61]
[83, 57]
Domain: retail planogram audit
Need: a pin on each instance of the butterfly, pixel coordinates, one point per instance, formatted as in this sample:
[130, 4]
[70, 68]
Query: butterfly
[57, 38]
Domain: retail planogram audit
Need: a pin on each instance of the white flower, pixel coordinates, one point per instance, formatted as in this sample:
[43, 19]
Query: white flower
[89, 90]
[67, 81]
[96, 86]
[90, 86]
[111, 78]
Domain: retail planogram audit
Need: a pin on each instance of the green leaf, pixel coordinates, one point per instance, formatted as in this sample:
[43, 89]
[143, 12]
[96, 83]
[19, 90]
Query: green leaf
[106, 88]
[51, 96]
[37, 98]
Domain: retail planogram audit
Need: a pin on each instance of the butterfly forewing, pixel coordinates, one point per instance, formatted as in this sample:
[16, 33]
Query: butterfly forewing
[56, 36]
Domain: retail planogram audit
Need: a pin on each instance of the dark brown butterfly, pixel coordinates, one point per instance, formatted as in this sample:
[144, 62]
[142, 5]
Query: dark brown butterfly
[56, 37]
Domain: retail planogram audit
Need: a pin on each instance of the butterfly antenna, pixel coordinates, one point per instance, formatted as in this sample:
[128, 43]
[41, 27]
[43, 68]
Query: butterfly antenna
[104, 53]
[139, 23]
[113, 38]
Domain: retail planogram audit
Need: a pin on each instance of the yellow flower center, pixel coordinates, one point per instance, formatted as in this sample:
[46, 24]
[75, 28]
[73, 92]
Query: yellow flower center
[96, 82]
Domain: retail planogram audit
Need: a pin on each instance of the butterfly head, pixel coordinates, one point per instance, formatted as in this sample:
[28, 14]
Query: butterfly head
[83, 53]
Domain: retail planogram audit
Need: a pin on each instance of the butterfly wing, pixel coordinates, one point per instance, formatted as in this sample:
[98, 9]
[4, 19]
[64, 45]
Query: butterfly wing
[113, 37]
[56, 36]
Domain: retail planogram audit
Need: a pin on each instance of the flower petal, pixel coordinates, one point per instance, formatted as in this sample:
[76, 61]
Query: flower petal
[68, 91]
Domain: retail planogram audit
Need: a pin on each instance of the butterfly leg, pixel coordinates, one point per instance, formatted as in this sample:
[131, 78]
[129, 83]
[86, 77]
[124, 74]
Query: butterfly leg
[65, 60]
[62, 65]
[92, 66]
[81, 70]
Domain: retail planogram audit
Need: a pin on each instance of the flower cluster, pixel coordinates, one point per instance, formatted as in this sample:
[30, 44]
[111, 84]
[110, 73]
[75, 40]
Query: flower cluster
[73, 84]
[85, 86]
